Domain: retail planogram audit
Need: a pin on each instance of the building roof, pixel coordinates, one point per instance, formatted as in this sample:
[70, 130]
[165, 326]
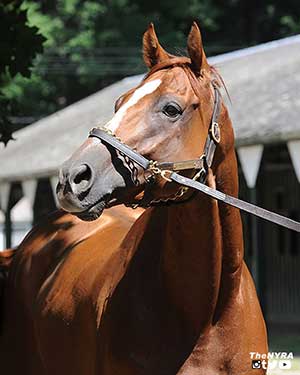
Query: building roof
[263, 83]
[264, 86]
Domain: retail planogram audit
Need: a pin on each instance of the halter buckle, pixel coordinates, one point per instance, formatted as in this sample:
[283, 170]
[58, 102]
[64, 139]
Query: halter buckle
[215, 132]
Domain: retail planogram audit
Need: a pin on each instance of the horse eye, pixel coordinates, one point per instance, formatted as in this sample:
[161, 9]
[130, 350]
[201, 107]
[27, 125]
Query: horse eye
[172, 110]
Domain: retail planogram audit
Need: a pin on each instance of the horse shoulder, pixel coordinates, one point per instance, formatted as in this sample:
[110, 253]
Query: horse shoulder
[62, 246]
[82, 263]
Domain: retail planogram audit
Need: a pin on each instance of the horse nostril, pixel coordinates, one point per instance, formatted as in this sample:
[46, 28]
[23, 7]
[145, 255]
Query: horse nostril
[81, 178]
[82, 175]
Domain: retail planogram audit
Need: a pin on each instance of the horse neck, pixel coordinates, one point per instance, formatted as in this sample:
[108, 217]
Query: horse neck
[203, 252]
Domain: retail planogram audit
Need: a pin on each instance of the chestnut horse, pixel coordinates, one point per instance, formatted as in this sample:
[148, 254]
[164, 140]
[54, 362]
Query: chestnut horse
[165, 291]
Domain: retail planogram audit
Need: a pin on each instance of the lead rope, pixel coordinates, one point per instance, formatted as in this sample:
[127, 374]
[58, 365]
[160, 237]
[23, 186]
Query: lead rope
[235, 202]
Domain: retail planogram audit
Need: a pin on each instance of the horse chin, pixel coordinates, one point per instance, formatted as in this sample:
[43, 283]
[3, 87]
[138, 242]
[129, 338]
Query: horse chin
[92, 213]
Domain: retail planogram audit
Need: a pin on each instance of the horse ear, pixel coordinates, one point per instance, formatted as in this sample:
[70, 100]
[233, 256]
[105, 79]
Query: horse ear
[153, 52]
[195, 50]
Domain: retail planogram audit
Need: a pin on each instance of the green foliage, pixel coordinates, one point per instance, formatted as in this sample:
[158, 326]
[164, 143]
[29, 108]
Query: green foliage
[20, 43]
[95, 42]
[15, 34]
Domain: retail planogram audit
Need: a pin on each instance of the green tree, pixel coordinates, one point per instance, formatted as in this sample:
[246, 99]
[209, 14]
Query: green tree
[91, 44]
[19, 45]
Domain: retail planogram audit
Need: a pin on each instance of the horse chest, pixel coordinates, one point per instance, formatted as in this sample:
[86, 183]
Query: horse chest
[143, 330]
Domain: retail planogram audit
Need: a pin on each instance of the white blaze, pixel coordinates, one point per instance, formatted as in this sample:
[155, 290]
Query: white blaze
[142, 91]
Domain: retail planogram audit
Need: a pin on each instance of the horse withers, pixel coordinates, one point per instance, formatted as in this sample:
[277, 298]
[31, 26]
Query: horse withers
[166, 291]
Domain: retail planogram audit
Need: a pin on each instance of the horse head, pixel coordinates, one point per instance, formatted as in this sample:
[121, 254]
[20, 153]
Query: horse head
[165, 118]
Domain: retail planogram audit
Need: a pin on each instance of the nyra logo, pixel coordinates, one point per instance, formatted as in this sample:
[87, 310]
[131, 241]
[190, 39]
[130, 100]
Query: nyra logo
[272, 360]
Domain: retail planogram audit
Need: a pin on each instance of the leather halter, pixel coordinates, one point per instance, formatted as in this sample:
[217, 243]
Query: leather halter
[167, 170]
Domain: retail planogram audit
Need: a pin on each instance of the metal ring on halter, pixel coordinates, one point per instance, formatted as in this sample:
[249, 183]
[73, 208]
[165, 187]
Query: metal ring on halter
[215, 132]
[165, 174]
[153, 167]
[197, 176]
